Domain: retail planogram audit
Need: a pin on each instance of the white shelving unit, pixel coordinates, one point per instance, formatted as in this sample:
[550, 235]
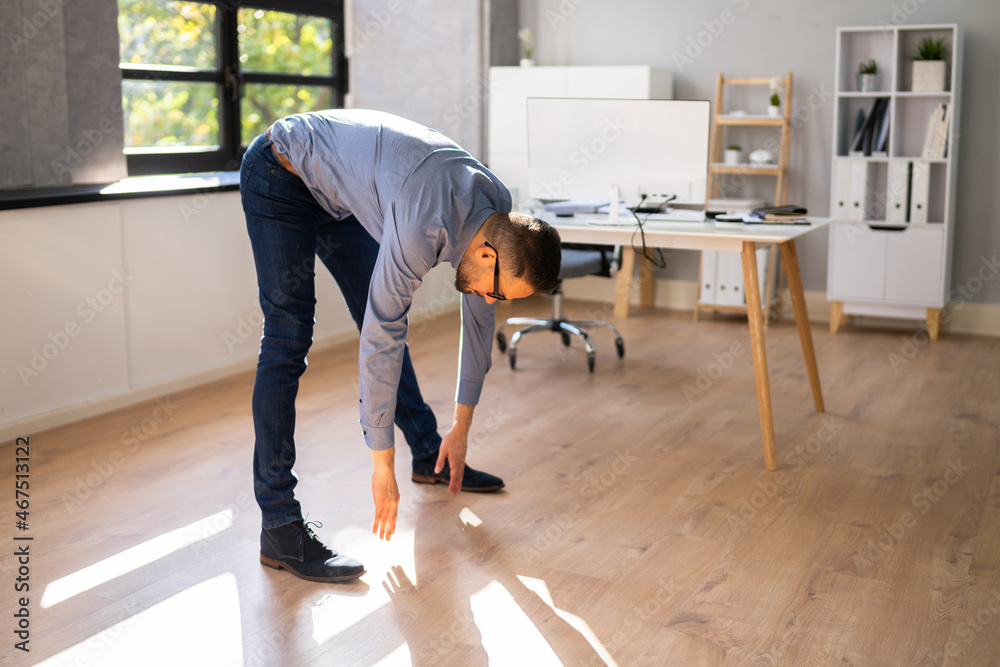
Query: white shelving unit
[890, 242]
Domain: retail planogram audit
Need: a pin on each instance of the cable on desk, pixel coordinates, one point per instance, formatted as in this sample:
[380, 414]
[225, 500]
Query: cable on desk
[662, 261]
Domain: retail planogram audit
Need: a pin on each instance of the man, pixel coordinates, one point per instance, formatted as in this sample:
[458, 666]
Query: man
[380, 200]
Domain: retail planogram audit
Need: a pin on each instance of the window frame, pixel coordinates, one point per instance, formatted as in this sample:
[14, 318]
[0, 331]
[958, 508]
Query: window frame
[230, 83]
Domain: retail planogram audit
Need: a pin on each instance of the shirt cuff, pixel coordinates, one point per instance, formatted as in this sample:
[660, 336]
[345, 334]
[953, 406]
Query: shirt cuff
[468, 392]
[379, 438]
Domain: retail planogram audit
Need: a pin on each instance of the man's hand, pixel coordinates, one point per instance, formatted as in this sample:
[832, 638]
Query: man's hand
[454, 445]
[385, 493]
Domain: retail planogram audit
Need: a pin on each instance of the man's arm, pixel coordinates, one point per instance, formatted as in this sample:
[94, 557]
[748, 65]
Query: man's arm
[385, 493]
[398, 271]
[473, 363]
[454, 446]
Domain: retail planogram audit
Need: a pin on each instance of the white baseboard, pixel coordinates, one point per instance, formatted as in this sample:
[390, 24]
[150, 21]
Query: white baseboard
[73, 413]
[961, 318]
[979, 319]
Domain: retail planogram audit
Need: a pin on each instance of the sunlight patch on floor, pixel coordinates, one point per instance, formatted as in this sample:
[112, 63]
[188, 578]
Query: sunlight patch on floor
[335, 613]
[540, 588]
[509, 636]
[199, 626]
[398, 658]
[134, 558]
[469, 518]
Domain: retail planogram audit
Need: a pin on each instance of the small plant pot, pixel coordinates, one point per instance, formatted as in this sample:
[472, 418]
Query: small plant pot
[732, 157]
[928, 76]
[773, 111]
[867, 83]
[527, 62]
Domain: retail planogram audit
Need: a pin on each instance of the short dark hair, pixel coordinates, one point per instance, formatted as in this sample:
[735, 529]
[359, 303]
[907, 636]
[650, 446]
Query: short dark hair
[530, 249]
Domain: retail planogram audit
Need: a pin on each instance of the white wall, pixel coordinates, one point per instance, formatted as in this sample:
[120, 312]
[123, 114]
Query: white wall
[427, 60]
[113, 303]
[766, 37]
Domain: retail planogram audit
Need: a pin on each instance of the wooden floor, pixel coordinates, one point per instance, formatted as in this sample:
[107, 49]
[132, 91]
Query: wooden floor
[638, 527]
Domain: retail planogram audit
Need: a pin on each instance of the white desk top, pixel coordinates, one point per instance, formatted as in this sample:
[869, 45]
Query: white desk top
[662, 233]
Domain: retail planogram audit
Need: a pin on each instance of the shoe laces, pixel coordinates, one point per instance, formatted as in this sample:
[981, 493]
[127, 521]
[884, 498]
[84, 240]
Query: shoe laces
[308, 532]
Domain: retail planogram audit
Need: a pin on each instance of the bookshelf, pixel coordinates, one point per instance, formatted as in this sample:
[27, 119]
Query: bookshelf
[893, 209]
[720, 276]
[726, 123]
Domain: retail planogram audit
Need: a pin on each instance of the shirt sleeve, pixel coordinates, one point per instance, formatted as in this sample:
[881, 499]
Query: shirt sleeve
[403, 259]
[474, 361]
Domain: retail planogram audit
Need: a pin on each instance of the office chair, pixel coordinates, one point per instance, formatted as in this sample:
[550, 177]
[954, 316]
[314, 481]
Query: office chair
[578, 260]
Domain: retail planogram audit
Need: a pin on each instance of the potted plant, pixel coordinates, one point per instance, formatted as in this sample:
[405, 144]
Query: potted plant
[527, 38]
[868, 76]
[929, 66]
[774, 106]
[732, 155]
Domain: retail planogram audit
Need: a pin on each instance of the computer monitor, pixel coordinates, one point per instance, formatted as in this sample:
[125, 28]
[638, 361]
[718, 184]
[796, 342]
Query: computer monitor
[606, 149]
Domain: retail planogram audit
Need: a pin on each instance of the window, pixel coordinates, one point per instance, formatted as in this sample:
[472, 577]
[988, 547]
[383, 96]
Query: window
[202, 79]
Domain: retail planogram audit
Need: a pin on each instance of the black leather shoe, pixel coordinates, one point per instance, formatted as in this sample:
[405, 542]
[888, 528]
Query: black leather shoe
[295, 547]
[473, 480]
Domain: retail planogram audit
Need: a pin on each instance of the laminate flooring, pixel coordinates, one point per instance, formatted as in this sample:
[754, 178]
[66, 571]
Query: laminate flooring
[638, 526]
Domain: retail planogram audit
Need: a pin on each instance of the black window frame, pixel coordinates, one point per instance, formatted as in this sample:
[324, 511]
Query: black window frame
[231, 80]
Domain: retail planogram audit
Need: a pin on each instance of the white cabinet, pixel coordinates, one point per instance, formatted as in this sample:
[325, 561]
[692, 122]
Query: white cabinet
[897, 265]
[892, 199]
[510, 87]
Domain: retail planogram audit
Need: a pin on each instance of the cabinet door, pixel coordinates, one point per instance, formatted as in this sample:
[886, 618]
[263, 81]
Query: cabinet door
[857, 262]
[914, 265]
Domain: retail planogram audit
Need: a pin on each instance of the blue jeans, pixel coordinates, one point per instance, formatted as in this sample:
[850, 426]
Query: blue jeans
[288, 230]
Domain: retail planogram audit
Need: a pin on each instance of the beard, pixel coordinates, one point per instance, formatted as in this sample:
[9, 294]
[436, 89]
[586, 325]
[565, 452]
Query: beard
[464, 277]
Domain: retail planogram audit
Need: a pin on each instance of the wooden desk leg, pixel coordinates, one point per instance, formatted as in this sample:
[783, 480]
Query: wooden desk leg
[790, 260]
[623, 288]
[751, 288]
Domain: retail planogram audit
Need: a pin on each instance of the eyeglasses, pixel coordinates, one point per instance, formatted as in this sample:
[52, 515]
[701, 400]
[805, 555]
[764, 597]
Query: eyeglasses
[495, 294]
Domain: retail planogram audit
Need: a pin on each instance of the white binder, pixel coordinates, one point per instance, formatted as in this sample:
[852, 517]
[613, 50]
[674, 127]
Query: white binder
[709, 260]
[724, 279]
[897, 204]
[860, 190]
[920, 182]
[734, 260]
[842, 189]
[734, 266]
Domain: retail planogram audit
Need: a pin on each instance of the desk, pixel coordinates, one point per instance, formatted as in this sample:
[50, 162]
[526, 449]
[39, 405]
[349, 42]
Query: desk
[712, 236]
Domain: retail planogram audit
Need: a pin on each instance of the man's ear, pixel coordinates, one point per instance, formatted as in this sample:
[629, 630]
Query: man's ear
[486, 252]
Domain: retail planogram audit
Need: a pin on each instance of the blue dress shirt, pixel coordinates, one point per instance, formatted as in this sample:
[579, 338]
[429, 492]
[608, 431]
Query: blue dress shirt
[423, 199]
